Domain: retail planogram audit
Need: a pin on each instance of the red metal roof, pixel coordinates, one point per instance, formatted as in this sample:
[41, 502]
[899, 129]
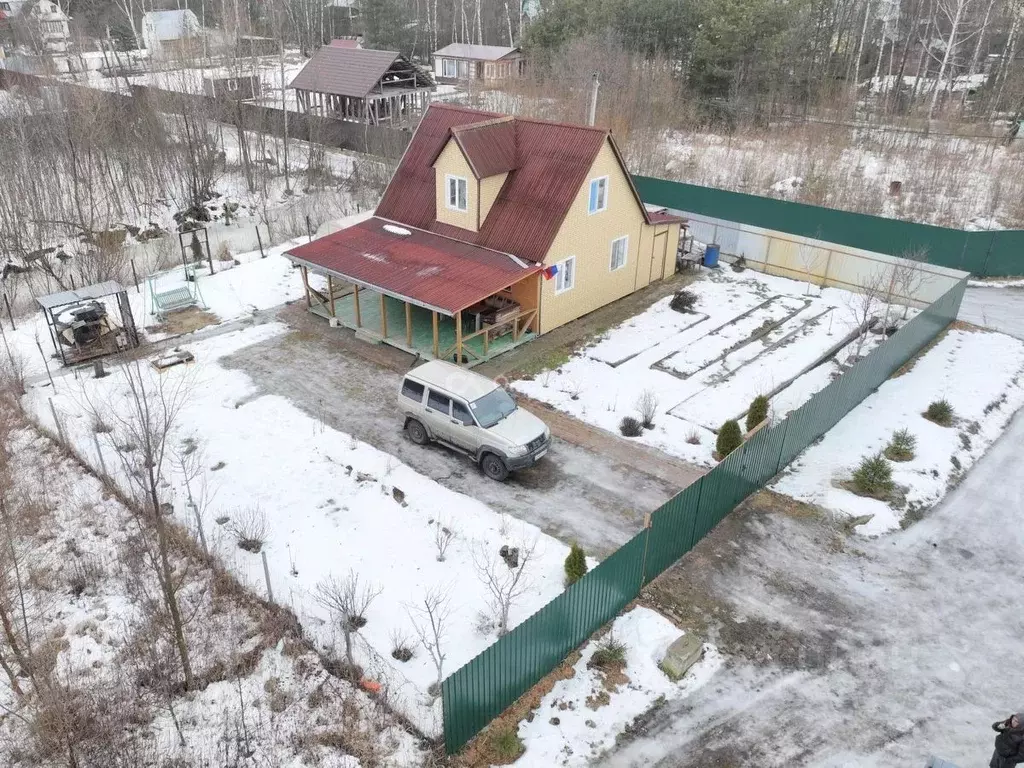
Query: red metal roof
[551, 162]
[423, 267]
[489, 146]
[664, 217]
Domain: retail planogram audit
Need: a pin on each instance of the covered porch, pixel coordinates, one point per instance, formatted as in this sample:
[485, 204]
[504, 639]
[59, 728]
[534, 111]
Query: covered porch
[429, 295]
[467, 335]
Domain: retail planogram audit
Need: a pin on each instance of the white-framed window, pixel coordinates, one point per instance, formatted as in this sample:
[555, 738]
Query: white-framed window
[620, 249]
[232, 84]
[449, 68]
[456, 192]
[565, 277]
[488, 70]
[598, 195]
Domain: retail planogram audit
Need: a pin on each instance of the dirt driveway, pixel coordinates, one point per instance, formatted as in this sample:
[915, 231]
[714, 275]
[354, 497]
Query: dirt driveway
[846, 651]
[592, 495]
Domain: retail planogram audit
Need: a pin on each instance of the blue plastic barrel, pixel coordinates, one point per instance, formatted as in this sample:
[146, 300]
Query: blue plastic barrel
[711, 255]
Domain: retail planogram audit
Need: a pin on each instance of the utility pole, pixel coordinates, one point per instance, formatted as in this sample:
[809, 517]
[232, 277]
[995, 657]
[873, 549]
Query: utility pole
[592, 115]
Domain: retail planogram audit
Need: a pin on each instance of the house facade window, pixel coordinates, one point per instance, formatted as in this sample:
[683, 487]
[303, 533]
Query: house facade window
[232, 84]
[449, 68]
[620, 249]
[456, 192]
[565, 278]
[598, 195]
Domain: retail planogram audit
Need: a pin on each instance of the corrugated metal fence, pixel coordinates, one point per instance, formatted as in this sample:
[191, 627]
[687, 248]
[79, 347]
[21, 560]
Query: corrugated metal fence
[479, 691]
[995, 253]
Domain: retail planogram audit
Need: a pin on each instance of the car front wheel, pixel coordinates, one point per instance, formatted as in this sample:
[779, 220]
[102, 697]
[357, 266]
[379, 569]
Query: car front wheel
[494, 467]
[417, 432]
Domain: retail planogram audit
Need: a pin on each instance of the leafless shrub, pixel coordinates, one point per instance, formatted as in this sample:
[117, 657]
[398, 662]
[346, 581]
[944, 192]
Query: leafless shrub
[647, 407]
[693, 437]
[250, 529]
[505, 585]
[444, 535]
[401, 645]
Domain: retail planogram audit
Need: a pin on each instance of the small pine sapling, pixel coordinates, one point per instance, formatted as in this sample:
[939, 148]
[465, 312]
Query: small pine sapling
[575, 565]
[901, 446]
[758, 412]
[729, 438]
[874, 477]
[940, 412]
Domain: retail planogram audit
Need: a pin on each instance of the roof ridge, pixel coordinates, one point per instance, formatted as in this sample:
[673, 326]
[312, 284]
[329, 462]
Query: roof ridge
[483, 123]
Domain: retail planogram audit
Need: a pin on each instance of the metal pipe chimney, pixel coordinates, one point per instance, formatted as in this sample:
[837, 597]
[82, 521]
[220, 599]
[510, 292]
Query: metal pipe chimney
[592, 115]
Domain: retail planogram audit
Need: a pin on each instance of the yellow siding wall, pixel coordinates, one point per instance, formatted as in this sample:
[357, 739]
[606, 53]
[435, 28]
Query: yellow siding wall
[452, 161]
[489, 189]
[588, 237]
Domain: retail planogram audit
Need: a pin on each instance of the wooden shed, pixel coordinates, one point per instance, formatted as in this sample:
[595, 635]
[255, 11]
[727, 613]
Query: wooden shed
[363, 85]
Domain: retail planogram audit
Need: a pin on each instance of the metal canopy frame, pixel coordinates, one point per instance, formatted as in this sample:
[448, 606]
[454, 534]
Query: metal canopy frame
[53, 304]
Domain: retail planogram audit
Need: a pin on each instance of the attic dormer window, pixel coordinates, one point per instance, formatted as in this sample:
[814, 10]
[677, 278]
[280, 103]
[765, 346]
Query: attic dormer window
[457, 192]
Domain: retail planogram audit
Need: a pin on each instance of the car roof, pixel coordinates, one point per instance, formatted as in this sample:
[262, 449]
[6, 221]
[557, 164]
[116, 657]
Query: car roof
[452, 378]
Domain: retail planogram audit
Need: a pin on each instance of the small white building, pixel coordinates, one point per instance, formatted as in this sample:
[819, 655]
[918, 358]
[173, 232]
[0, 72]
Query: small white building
[167, 34]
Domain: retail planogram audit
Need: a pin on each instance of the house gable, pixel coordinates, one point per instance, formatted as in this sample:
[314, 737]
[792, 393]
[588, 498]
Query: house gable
[597, 278]
[452, 165]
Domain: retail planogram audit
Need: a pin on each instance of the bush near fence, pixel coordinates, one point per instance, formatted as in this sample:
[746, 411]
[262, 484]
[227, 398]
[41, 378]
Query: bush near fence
[483, 688]
[996, 253]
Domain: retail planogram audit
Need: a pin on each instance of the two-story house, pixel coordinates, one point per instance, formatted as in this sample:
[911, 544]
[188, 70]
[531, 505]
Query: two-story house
[492, 230]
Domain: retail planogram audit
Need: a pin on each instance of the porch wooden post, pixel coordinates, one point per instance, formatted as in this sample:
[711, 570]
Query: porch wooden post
[330, 295]
[383, 316]
[487, 341]
[355, 296]
[458, 337]
[305, 284]
[408, 325]
[435, 334]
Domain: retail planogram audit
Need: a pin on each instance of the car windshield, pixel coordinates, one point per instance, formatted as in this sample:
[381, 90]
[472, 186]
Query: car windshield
[493, 407]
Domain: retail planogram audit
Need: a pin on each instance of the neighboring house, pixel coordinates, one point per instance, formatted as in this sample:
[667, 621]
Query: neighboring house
[240, 88]
[462, 61]
[171, 34]
[343, 17]
[351, 83]
[493, 229]
[39, 24]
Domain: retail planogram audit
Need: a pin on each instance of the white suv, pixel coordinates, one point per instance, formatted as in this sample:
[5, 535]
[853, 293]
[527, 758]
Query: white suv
[472, 414]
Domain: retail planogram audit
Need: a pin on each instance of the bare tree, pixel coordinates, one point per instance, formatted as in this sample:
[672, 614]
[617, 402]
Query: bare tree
[430, 618]
[143, 424]
[863, 302]
[348, 602]
[504, 577]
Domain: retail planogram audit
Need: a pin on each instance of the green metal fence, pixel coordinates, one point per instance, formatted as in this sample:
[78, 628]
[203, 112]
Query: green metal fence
[479, 691]
[989, 254]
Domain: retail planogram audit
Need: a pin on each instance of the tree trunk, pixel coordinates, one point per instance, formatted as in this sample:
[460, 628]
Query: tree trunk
[166, 579]
[951, 45]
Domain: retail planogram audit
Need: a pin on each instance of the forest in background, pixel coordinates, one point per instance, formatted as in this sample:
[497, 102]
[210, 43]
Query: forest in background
[739, 60]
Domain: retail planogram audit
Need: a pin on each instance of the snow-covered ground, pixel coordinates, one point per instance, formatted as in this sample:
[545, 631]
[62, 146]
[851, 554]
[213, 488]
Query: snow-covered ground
[978, 373]
[948, 180]
[585, 726]
[329, 504]
[749, 334]
[268, 696]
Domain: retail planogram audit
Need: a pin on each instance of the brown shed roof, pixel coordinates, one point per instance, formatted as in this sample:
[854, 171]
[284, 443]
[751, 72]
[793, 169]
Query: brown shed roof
[550, 164]
[425, 268]
[344, 71]
[489, 146]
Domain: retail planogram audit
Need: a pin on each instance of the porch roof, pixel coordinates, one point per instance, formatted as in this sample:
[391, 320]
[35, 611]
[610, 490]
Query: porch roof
[414, 265]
